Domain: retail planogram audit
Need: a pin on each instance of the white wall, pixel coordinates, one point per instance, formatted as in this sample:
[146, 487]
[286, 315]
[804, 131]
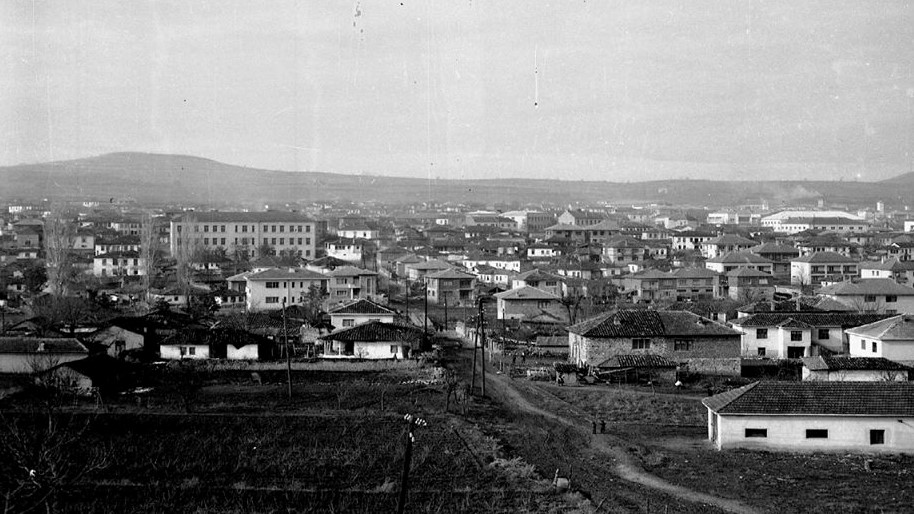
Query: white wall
[857, 375]
[246, 352]
[173, 352]
[844, 433]
[337, 319]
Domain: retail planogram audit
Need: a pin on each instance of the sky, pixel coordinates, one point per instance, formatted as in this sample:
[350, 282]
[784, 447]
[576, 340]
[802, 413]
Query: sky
[574, 90]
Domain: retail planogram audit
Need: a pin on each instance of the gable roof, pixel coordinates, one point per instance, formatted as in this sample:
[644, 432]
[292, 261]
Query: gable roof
[830, 363]
[892, 264]
[731, 239]
[868, 286]
[283, 274]
[526, 293]
[817, 398]
[637, 361]
[451, 273]
[817, 319]
[376, 331]
[649, 323]
[361, 306]
[694, 273]
[350, 271]
[825, 258]
[896, 328]
[741, 258]
[748, 272]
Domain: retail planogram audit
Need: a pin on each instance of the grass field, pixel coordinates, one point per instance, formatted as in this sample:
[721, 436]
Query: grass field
[338, 446]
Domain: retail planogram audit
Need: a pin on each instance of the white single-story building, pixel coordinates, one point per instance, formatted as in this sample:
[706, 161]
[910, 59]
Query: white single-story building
[373, 340]
[892, 338]
[839, 368]
[814, 416]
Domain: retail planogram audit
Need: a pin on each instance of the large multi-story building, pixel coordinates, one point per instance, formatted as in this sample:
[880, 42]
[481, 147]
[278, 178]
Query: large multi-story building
[247, 232]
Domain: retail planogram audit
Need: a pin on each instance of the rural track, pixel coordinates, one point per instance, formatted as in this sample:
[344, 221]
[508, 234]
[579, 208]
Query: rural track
[624, 467]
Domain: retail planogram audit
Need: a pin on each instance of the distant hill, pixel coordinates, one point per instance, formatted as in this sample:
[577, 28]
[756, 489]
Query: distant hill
[185, 179]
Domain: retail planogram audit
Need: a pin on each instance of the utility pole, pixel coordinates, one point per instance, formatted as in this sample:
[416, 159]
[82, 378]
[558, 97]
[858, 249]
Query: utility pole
[407, 298]
[445, 313]
[411, 423]
[288, 349]
[475, 345]
[425, 319]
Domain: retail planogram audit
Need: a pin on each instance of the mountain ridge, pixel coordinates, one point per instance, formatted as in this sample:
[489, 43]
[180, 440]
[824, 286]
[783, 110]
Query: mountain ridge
[172, 178]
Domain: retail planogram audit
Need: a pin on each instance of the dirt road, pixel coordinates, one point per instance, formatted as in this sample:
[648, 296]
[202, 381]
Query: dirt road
[624, 467]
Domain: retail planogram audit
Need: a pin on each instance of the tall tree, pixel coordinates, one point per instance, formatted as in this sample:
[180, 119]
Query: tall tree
[186, 252]
[150, 249]
[59, 237]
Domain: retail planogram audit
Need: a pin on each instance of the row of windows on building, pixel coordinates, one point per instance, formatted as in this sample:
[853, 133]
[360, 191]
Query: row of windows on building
[275, 284]
[877, 436]
[244, 228]
[271, 241]
[679, 345]
[795, 335]
[124, 262]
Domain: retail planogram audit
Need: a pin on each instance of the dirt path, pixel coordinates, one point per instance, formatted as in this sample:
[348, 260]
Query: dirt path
[612, 446]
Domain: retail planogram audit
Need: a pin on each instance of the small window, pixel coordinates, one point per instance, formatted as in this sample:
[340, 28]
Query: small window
[756, 432]
[869, 298]
[183, 351]
[348, 322]
[863, 344]
[272, 299]
[192, 350]
[823, 333]
[877, 436]
[761, 333]
[394, 348]
[272, 285]
[641, 344]
[874, 346]
[682, 345]
[761, 352]
[796, 335]
[891, 298]
[816, 433]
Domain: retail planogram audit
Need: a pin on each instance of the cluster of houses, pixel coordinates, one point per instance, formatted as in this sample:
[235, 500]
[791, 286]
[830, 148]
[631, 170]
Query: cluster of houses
[662, 289]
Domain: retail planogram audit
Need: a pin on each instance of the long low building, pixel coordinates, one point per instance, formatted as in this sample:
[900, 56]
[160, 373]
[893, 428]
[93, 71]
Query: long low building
[814, 416]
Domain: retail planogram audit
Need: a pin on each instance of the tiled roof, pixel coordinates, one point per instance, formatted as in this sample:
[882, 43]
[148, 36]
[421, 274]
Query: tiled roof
[731, 239]
[526, 293]
[350, 271]
[741, 258]
[538, 274]
[245, 217]
[637, 361]
[774, 248]
[694, 273]
[286, 274]
[434, 264]
[823, 363]
[361, 306]
[41, 344]
[748, 272]
[896, 328]
[451, 273]
[868, 286]
[794, 323]
[817, 398]
[892, 264]
[376, 331]
[824, 258]
[816, 319]
[648, 323]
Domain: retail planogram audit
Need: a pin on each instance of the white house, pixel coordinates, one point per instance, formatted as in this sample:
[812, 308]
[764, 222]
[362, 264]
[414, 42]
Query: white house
[118, 264]
[178, 351]
[372, 340]
[892, 338]
[266, 289]
[781, 335]
[359, 311]
[814, 416]
[873, 295]
[37, 354]
[839, 368]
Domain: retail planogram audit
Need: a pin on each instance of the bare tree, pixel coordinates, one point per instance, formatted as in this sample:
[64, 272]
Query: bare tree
[150, 249]
[186, 251]
[59, 237]
[43, 451]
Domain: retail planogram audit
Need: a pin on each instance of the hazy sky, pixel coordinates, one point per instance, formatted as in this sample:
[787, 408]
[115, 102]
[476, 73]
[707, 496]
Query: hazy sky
[572, 89]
